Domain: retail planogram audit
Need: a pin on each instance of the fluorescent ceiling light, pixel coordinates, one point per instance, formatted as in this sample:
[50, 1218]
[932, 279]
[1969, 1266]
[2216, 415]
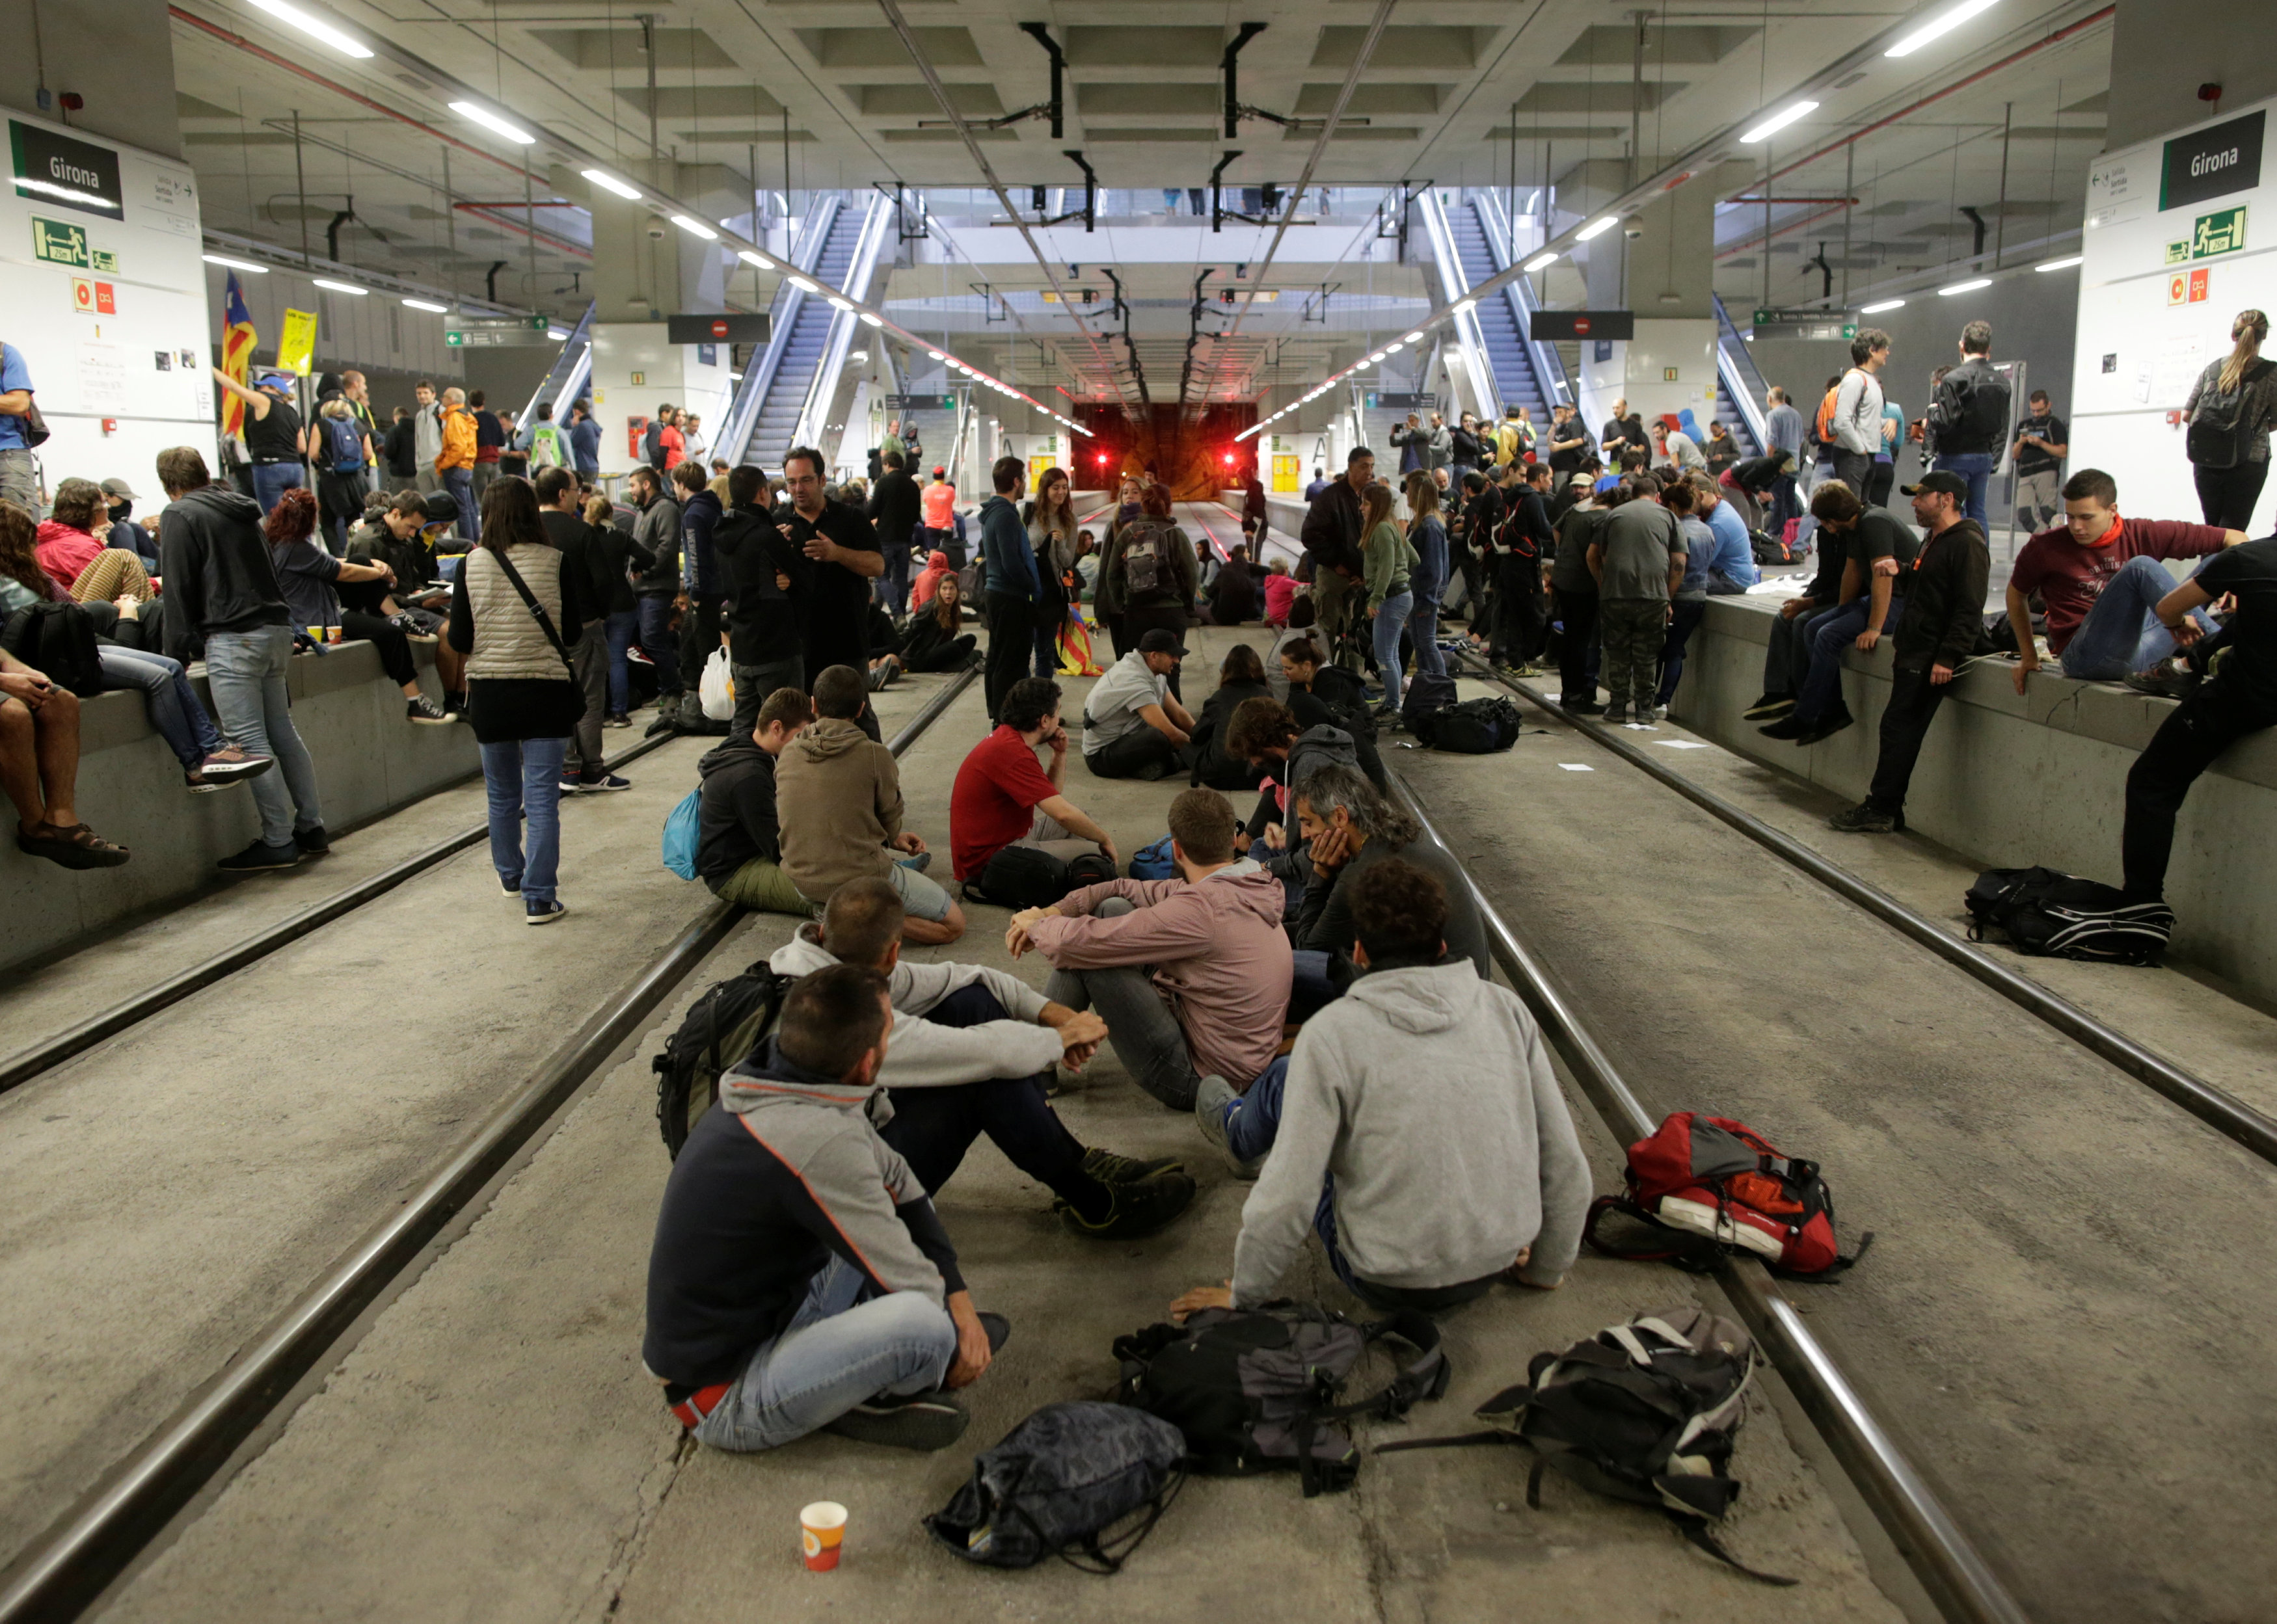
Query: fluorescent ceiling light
[1542, 261]
[694, 228]
[1606, 223]
[1377, 356]
[870, 319]
[749, 257]
[1780, 120]
[1357, 365]
[607, 182]
[478, 114]
[1394, 347]
[1463, 307]
[1964, 287]
[2065, 264]
[735, 377]
[316, 28]
[340, 287]
[837, 303]
[258, 271]
[935, 355]
[1414, 338]
[1938, 26]
[557, 334]
[858, 355]
[1887, 304]
[431, 309]
[802, 284]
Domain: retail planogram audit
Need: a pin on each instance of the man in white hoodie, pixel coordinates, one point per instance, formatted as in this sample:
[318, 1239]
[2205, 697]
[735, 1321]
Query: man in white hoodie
[1419, 1133]
[973, 1052]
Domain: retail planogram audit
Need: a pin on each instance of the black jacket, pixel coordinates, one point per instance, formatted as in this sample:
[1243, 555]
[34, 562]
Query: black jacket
[1331, 532]
[1324, 920]
[401, 446]
[657, 533]
[215, 565]
[893, 506]
[579, 546]
[1233, 595]
[735, 817]
[1212, 766]
[1969, 412]
[1943, 617]
[762, 619]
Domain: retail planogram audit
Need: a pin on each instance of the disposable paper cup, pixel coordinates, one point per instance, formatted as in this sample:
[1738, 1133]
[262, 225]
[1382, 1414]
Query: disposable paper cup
[821, 1529]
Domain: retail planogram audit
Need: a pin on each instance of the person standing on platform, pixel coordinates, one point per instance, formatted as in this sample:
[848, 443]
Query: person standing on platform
[1011, 581]
[841, 550]
[894, 508]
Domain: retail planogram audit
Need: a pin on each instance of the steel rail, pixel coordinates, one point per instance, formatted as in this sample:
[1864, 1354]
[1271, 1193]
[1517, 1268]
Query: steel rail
[1947, 1563]
[2218, 1109]
[62, 1572]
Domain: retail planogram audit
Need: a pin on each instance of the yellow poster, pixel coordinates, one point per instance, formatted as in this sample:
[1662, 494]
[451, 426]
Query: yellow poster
[296, 344]
[1046, 454]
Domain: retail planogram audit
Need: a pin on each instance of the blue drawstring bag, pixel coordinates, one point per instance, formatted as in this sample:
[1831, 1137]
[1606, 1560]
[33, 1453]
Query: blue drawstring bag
[681, 830]
[1153, 862]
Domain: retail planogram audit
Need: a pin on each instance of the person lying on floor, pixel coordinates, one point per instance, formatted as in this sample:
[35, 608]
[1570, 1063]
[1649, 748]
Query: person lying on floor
[1191, 974]
[973, 1050]
[800, 1279]
[1416, 1129]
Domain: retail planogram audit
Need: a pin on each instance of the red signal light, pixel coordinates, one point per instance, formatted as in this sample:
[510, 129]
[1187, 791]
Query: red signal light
[1229, 459]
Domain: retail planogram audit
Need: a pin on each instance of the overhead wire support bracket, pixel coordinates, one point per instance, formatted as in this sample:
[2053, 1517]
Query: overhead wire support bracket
[1089, 213]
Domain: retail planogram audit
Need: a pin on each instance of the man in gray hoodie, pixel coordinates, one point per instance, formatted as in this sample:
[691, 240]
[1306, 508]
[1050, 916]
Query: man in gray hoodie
[1419, 1131]
[973, 1050]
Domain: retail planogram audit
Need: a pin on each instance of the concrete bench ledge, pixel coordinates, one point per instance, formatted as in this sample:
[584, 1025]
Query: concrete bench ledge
[370, 761]
[2008, 780]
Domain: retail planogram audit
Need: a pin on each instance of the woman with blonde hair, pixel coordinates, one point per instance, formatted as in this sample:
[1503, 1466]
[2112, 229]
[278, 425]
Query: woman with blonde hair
[2230, 410]
[1050, 521]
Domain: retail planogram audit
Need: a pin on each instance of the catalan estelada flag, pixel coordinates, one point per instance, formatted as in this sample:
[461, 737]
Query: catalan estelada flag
[236, 351]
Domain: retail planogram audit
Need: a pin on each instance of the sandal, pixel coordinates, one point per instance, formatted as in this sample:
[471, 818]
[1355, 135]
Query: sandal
[73, 846]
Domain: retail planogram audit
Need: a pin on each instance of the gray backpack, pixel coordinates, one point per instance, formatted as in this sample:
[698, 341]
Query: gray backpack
[1059, 1482]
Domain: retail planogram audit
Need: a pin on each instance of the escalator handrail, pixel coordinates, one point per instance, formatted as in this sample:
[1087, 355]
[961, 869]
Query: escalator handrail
[1549, 367]
[744, 417]
[1454, 281]
[572, 367]
[830, 366]
[1737, 372]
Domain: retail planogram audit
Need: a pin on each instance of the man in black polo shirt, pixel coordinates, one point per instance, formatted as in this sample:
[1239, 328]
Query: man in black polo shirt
[843, 548]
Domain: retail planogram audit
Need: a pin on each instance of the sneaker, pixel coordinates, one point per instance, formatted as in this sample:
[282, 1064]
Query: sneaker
[1109, 1168]
[1865, 818]
[542, 913]
[425, 710]
[1768, 706]
[1582, 707]
[921, 1420]
[1618, 715]
[1650, 714]
[2169, 679]
[607, 781]
[230, 765]
[1210, 1103]
[619, 720]
[312, 842]
[1787, 727]
[572, 784]
[1133, 1210]
[262, 858]
[194, 781]
[1833, 722]
[456, 703]
[512, 888]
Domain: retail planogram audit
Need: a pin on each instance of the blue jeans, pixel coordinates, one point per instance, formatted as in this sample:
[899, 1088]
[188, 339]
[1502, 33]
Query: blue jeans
[272, 479]
[657, 641]
[894, 585]
[1831, 633]
[1689, 613]
[1390, 620]
[1253, 1121]
[2120, 633]
[844, 1347]
[624, 632]
[1423, 631]
[1977, 468]
[460, 482]
[1310, 988]
[523, 777]
[168, 699]
[1048, 652]
[245, 674]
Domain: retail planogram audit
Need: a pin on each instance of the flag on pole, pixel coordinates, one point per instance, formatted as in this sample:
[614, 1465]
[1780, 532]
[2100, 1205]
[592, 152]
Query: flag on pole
[236, 351]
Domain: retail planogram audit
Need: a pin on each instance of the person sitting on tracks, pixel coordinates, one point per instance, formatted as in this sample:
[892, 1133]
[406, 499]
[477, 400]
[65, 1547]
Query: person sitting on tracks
[1133, 727]
[800, 1279]
[1240, 679]
[739, 843]
[838, 793]
[1267, 735]
[973, 1051]
[1005, 807]
[1191, 974]
[1317, 697]
[1416, 1129]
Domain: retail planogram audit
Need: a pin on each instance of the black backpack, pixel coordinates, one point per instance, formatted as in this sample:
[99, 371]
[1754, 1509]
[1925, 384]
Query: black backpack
[2049, 913]
[1027, 877]
[721, 1030]
[2221, 429]
[1644, 1412]
[1474, 727]
[1058, 1482]
[1254, 1390]
[56, 640]
[1345, 694]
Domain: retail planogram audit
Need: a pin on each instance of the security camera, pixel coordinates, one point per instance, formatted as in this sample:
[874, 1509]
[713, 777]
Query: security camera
[656, 230]
[1632, 231]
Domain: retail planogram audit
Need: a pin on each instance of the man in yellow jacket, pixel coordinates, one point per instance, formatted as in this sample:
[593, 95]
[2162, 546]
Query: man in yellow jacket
[455, 464]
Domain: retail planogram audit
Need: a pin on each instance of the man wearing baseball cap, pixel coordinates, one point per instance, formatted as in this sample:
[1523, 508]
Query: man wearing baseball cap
[1133, 727]
[128, 537]
[1940, 629]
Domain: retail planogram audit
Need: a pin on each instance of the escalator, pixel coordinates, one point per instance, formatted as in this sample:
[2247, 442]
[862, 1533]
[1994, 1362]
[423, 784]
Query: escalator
[1741, 399]
[1516, 380]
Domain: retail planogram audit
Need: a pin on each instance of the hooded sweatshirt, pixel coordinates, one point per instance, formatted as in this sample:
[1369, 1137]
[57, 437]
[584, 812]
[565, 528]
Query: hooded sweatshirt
[736, 815]
[764, 1191]
[1216, 949]
[215, 565]
[1425, 1092]
[922, 1055]
[839, 796]
[928, 580]
[64, 551]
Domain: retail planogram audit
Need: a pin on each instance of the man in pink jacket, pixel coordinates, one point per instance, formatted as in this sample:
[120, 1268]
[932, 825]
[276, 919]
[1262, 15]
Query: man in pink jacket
[1191, 974]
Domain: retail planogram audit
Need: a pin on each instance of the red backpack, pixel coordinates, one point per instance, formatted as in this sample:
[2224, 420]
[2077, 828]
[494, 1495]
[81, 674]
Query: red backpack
[1711, 1184]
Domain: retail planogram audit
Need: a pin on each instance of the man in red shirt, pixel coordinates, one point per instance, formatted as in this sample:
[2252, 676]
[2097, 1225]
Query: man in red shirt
[2100, 578]
[1004, 798]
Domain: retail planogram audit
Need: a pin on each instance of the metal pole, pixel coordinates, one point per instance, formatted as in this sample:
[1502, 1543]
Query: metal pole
[2000, 230]
[1849, 191]
[300, 187]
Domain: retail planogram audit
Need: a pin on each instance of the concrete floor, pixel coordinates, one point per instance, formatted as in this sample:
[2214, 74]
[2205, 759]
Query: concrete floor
[490, 1450]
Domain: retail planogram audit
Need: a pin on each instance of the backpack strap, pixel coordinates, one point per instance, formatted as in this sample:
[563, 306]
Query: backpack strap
[1697, 1534]
[1696, 1255]
[536, 609]
[1426, 1378]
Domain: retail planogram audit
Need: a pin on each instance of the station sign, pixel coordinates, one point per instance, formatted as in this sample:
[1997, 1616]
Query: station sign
[1550, 326]
[1387, 401]
[487, 335]
[921, 403]
[1809, 324]
[2222, 232]
[726, 328]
